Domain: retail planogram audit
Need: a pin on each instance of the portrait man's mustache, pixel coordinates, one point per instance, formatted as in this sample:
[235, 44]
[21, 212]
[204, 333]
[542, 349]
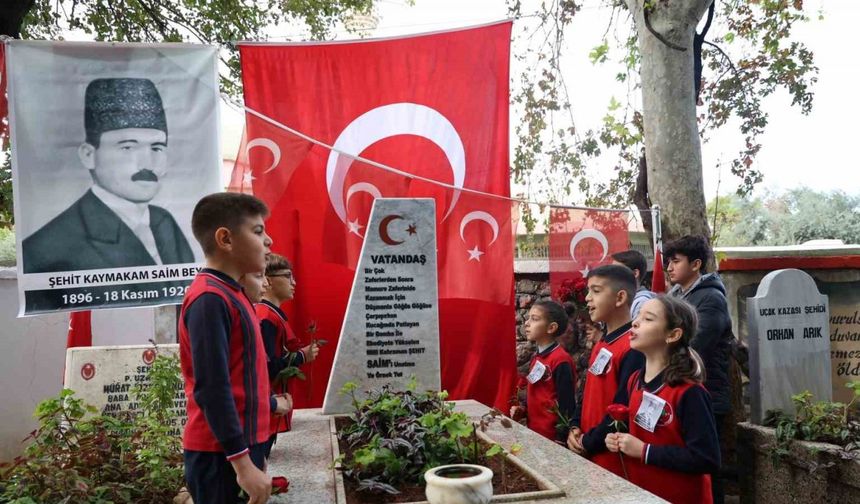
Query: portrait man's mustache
[144, 175]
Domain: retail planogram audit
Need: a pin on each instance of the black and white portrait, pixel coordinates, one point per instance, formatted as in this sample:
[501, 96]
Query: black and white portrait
[113, 145]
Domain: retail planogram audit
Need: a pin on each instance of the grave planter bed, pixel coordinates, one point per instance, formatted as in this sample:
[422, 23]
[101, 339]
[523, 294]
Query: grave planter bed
[811, 472]
[520, 482]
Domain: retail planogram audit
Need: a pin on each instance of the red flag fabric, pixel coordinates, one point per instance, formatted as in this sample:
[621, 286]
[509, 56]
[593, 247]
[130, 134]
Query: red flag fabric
[80, 329]
[434, 106]
[581, 240]
[658, 278]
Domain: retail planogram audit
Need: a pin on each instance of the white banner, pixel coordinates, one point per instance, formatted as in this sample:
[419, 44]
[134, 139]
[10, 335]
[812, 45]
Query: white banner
[112, 146]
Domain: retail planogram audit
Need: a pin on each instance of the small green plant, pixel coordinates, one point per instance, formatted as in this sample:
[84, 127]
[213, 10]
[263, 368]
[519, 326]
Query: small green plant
[396, 436]
[819, 421]
[77, 455]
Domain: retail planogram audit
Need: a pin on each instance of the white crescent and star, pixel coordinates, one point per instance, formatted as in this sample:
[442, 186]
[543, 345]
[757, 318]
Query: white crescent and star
[475, 254]
[271, 146]
[594, 235]
[388, 121]
[365, 187]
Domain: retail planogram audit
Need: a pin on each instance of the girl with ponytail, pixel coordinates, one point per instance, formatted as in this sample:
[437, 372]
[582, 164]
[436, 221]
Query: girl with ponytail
[671, 447]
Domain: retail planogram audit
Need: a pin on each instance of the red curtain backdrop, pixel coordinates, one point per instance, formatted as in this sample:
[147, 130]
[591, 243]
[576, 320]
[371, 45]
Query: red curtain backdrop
[433, 106]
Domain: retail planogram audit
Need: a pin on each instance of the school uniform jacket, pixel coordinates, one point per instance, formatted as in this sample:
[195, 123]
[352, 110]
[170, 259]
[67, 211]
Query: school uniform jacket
[683, 449]
[223, 362]
[603, 389]
[555, 389]
[280, 342]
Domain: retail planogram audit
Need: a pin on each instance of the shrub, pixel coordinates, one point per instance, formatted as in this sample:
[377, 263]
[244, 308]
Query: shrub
[77, 455]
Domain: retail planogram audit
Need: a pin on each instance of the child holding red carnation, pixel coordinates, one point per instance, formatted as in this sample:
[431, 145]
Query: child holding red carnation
[550, 397]
[672, 445]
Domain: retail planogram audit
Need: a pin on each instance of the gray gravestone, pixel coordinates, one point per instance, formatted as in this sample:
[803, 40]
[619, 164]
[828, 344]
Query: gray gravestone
[789, 342]
[391, 329]
[104, 376]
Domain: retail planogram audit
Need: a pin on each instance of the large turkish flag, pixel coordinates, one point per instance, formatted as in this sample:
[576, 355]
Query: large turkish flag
[432, 106]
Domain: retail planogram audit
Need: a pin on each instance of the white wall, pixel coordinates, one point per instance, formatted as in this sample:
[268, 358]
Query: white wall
[33, 354]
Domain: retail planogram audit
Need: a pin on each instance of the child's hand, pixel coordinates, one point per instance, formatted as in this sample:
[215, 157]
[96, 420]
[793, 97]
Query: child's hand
[574, 441]
[284, 404]
[612, 442]
[311, 351]
[516, 411]
[629, 445]
[253, 481]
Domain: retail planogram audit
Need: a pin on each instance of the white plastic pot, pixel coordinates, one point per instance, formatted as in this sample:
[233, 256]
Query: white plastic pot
[459, 484]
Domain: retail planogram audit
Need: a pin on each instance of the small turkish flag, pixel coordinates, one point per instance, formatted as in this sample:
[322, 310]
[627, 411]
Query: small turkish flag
[581, 240]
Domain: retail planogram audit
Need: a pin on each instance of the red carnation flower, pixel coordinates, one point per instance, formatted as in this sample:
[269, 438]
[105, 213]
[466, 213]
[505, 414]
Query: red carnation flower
[280, 485]
[618, 412]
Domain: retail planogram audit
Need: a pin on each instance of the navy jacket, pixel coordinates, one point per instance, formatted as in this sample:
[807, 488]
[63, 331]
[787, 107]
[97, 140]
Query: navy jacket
[714, 336]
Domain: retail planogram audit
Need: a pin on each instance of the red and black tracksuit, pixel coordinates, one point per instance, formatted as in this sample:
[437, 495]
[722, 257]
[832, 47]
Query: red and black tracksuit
[604, 389]
[555, 389]
[223, 362]
[683, 450]
[282, 350]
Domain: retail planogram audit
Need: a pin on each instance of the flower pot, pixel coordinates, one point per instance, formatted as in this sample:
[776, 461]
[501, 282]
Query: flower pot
[459, 484]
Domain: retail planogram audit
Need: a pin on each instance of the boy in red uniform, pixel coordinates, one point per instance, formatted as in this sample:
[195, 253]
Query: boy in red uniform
[672, 445]
[610, 291]
[222, 356]
[283, 348]
[551, 381]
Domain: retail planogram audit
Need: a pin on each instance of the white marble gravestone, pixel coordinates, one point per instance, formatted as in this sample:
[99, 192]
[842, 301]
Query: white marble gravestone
[104, 377]
[391, 329]
[789, 342]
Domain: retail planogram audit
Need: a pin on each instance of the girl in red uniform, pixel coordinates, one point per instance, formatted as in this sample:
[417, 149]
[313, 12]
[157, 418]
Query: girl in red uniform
[672, 445]
[550, 390]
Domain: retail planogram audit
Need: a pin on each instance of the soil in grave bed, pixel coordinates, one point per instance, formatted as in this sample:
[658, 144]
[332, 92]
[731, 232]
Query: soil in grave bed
[516, 480]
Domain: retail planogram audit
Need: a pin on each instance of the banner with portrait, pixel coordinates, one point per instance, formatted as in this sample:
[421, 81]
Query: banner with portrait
[112, 146]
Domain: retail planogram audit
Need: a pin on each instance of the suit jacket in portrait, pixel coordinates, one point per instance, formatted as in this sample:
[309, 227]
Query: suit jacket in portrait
[89, 235]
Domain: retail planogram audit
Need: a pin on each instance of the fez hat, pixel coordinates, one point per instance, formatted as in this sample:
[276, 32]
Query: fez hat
[111, 104]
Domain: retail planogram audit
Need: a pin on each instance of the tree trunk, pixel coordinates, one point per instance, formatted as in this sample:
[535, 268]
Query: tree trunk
[672, 145]
[12, 13]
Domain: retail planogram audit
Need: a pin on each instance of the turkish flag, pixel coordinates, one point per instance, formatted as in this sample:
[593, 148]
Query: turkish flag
[658, 278]
[583, 239]
[434, 107]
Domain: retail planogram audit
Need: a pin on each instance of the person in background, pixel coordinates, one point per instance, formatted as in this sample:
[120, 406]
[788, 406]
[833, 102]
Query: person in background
[634, 260]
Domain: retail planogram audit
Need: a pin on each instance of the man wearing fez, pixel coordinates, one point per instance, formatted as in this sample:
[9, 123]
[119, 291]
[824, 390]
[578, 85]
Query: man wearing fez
[113, 225]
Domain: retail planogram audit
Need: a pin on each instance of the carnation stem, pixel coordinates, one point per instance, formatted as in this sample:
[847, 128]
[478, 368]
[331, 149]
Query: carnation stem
[623, 467]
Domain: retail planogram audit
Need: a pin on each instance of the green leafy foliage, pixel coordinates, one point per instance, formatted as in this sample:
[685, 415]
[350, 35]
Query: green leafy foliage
[789, 218]
[77, 455]
[819, 421]
[395, 437]
[748, 55]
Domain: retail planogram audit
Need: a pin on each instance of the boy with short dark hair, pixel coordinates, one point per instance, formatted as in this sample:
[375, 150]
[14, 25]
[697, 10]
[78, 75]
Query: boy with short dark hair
[634, 260]
[610, 291]
[551, 382]
[222, 356]
[283, 348]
